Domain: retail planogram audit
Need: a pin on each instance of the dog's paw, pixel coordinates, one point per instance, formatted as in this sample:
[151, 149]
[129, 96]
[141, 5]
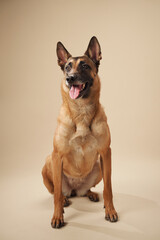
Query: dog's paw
[57, 222]
[112, 217]
[111, 214]
[93, 196]
[66, 202]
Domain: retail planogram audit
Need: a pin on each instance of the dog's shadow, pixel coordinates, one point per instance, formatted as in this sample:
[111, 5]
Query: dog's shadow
[136, 214]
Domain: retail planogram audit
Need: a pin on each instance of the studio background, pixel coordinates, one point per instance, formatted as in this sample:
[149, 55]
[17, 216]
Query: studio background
[30, 99]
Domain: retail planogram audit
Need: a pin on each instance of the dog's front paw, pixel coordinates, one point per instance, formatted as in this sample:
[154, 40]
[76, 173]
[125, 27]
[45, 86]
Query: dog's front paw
[111, 214]
[57, 222]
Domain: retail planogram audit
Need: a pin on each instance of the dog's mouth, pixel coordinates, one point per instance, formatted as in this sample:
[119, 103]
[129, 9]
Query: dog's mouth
[77, 90]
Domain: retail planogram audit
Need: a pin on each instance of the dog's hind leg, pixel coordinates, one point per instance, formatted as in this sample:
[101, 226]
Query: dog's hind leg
[47, 175]
[47, 180]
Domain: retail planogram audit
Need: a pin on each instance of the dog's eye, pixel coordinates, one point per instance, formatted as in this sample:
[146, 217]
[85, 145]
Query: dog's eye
[84, 65]
[68, 67]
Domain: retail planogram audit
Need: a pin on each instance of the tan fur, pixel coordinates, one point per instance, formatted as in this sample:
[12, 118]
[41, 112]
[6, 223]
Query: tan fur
[82, 137]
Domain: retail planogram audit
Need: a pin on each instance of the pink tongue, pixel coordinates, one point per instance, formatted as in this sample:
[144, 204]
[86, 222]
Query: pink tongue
[74, 91]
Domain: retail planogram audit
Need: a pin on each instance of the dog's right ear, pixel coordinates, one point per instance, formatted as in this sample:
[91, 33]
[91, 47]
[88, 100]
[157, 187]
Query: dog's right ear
[62, 55]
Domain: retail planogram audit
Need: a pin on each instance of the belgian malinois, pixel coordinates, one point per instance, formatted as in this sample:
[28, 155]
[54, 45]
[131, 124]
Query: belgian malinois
[81, 155]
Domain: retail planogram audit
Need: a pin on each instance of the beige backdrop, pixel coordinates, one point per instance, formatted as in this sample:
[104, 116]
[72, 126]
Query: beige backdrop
[129, 35]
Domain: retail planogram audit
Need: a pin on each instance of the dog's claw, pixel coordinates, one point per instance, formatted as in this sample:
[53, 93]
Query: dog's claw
[57, 223]
[91, 198]
[107, 217]
[111, 217]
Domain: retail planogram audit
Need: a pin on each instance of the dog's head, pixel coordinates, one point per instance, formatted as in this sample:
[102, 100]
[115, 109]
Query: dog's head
[80, 72]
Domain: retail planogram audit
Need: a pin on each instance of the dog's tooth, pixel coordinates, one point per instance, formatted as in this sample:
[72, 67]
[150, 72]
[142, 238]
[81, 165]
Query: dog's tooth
[67, 83]
[83, 86]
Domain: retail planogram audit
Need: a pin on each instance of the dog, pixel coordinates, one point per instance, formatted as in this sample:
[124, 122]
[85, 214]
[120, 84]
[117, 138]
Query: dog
[82, 155]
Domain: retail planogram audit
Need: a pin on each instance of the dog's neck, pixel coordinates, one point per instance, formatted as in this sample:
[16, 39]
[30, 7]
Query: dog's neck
[83, 110]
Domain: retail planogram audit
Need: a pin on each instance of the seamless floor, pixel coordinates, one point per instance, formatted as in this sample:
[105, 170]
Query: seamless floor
[27, 208]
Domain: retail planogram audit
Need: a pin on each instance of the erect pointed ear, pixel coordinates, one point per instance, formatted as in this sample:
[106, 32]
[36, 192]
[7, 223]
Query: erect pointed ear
[62, 55]
[94, 51]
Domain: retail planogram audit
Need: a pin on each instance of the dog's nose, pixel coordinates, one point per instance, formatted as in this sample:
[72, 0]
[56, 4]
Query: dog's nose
[71, 78]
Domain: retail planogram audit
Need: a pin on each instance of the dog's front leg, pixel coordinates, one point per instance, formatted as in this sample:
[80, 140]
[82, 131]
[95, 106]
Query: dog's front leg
[110, 213]
[57, 220]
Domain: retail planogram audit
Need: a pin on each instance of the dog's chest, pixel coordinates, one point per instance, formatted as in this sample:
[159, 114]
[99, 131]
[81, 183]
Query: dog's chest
[83, 142]
[83, 151]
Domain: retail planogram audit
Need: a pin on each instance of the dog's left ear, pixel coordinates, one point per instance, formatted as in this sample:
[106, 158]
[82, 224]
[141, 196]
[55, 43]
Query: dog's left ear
[94, 51]
[62, 55]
